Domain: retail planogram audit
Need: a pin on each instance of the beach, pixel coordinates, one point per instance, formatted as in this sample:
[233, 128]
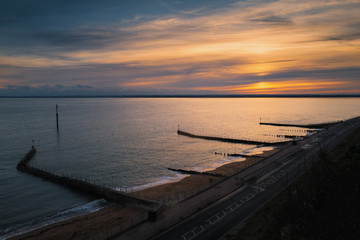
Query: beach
[105, 222]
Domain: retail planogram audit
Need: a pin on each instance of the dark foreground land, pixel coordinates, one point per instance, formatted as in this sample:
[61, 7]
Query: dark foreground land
[322, 204]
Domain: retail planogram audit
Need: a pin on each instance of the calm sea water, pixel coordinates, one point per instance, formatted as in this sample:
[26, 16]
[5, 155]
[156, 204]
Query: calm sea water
[129, 143]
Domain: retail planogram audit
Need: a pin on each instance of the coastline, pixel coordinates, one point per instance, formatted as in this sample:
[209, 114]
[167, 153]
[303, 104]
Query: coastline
[101, 224]
[197, 183]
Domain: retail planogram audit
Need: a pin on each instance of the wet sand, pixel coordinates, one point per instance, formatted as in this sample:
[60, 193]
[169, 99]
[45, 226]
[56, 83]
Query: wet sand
[197, 183]
[103, 223]
[96, 225]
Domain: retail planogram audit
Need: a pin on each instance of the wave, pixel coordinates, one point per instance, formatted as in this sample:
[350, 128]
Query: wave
[162, 180]
[24, 227]
[258, 150]
[179, 176]
[229, 159]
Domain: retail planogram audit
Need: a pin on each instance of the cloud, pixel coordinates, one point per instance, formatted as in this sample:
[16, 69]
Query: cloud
[181, 46]
[273, 20]
[47, 90]
[88, 91]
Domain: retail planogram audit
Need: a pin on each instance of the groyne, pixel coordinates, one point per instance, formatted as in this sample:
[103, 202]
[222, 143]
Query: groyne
[243, 155]
[24, 161]
[284, 136]
[191, 172]
[316, 125]
[87, 187]
[238, 155]
[231, 140]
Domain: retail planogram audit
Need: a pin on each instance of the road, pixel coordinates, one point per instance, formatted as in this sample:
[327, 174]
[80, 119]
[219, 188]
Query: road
[263, 182]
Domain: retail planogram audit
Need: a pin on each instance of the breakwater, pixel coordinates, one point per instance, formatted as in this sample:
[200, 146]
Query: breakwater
[284, 136]
[243, 155]
[24, 161]
[230, 140]
[191, 172]
[316, 125]
[238, 155]
[87, 187]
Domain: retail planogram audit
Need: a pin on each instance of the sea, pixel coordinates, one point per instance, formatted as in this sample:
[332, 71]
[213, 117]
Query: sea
[128, 144]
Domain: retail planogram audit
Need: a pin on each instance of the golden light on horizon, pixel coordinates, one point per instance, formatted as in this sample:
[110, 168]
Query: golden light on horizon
[220, 51]
[289, 86]
[285, 86]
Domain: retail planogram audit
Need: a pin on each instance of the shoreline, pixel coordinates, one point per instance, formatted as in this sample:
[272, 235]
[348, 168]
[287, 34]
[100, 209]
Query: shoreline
[199, 183]
[109, 218]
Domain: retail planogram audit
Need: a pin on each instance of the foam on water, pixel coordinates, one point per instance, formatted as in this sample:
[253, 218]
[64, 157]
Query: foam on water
[258, 150]
[178, 176]
[19, 228]
[231, 159]
[162, 180]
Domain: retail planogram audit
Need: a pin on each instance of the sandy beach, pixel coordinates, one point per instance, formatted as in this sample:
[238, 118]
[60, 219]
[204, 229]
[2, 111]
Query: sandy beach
[103, 223]
[95, 225]
[197, 183]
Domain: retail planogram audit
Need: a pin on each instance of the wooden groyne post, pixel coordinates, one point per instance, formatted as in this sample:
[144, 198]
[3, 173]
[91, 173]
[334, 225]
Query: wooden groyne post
[57, 118]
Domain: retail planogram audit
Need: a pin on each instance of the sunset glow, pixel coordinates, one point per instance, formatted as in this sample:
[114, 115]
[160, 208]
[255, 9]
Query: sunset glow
[244, 47]
[286, 86]
[290, 87]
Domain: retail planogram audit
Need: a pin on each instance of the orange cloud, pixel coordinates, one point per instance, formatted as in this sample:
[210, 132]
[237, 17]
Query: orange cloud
[254, 38]
[159, 81]
[283, 87]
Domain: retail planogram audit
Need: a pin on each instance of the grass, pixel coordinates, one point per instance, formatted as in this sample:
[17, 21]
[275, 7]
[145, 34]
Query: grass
[324, 203]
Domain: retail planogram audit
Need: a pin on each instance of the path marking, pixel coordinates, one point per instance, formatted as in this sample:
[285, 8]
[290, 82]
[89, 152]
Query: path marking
[270, 181]
[250, 196]
[186, 237]
[258, 189]
[233, 206]
[281, 174]
[213, 219]
[193, 232]
[306, 146]
[221, 215]
[199, 228]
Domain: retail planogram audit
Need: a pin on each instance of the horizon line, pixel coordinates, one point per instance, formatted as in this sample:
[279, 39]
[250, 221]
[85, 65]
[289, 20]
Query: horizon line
[194, 96]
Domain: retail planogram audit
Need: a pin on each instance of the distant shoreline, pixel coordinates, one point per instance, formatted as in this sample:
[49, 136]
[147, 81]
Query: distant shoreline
[197, 96]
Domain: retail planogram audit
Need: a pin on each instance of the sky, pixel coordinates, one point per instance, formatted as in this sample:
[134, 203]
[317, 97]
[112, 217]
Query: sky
[157, 47]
